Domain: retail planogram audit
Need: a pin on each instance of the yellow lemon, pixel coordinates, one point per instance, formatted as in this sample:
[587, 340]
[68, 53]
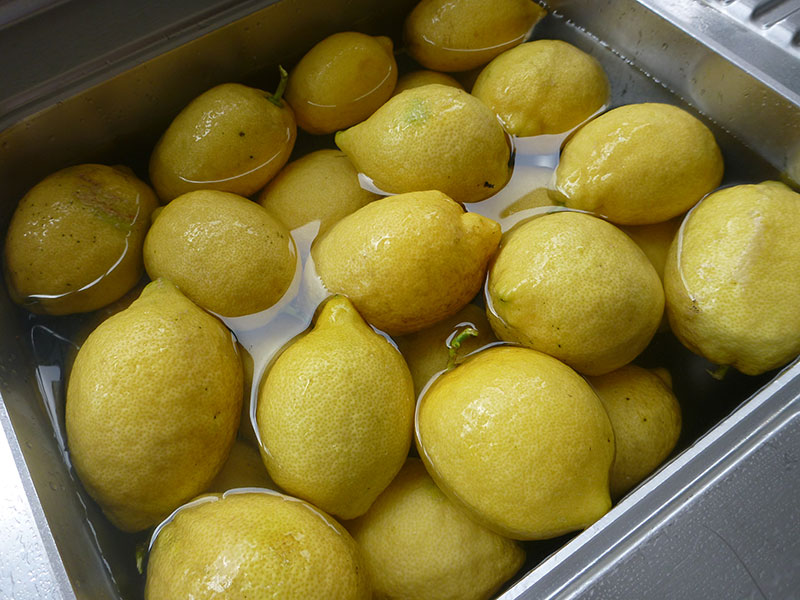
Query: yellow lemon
[74, 243]
[418, 545]
[231, 138]
[424, 77]
[646, 419]
[733, 278]
[254, 545]
[341, 81]
[444, 344]
[225, 252]
[434, 137]
[576, 287]
[335, 413]
[321, 186]
[655, 240]
[243, 469]
[541, 87]
[639, 164]
[152, 407]
[407, 261]
[520, 440]
[458, 35]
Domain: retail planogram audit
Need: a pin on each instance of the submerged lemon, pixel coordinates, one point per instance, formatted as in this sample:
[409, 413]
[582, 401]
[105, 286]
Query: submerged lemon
[639, 164]
[153, 405]
[418, 545]
[646, 419]
[520, 440]
[434, 137]
[335, 413]
[254, 545]
[732, 278]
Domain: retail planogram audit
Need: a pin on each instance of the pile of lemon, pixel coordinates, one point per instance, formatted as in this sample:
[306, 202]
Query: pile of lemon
[463, 386]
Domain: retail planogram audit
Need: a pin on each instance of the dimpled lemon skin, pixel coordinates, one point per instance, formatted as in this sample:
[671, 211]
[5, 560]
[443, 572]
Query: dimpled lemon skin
[646, 419]
[341, 81]
[418, 545]
[407, 261]
[321, 186]
[243, 469]
[225, 252]
[433, 137]
[458, 35]
[428, 351]
[153, 404]
[230, 138]
[542, 87]
[575, 287]
[335, 413]
[520, 440]
[639, 164]
[74, 243]
[254, 545]
[732, 278]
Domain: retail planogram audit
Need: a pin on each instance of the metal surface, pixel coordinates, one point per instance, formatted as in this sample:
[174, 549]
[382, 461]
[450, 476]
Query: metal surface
[720, 520]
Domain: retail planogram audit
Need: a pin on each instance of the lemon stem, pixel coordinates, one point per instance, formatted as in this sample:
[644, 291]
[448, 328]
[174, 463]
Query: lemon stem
[720, 372]
[276, 97]
[455, 344]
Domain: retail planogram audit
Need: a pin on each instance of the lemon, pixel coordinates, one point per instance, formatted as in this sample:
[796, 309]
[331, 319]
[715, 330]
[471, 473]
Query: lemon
[542, 87]
[444, 344]
[434, 137]
[520, 440]
[152, 407]
[407, 261]
[335, 413]
[232, 138]
[243, 469]
[424, 77]
[418, 545]
[639, 164]
[655, 240]
[646, 419]
[458, 35]
[732, 278]
[321, 186]
[226, 253]
[254, 545]
[575, 287]
[341, 81]
[74, 243]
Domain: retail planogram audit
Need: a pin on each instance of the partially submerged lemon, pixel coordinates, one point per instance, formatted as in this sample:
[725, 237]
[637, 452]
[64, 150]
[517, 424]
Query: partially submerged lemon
[153, 405]
[639, 164]
[335, 413]
[458, 35]
[520, 440]
[543, 87]
[419, 545]
[341, 81]
[225, 252]
[576, 287]
[407, 261]
[255, 545]
[74, 243]
[732, 278]
[434, 137]
[232, 138]
[424, 77]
